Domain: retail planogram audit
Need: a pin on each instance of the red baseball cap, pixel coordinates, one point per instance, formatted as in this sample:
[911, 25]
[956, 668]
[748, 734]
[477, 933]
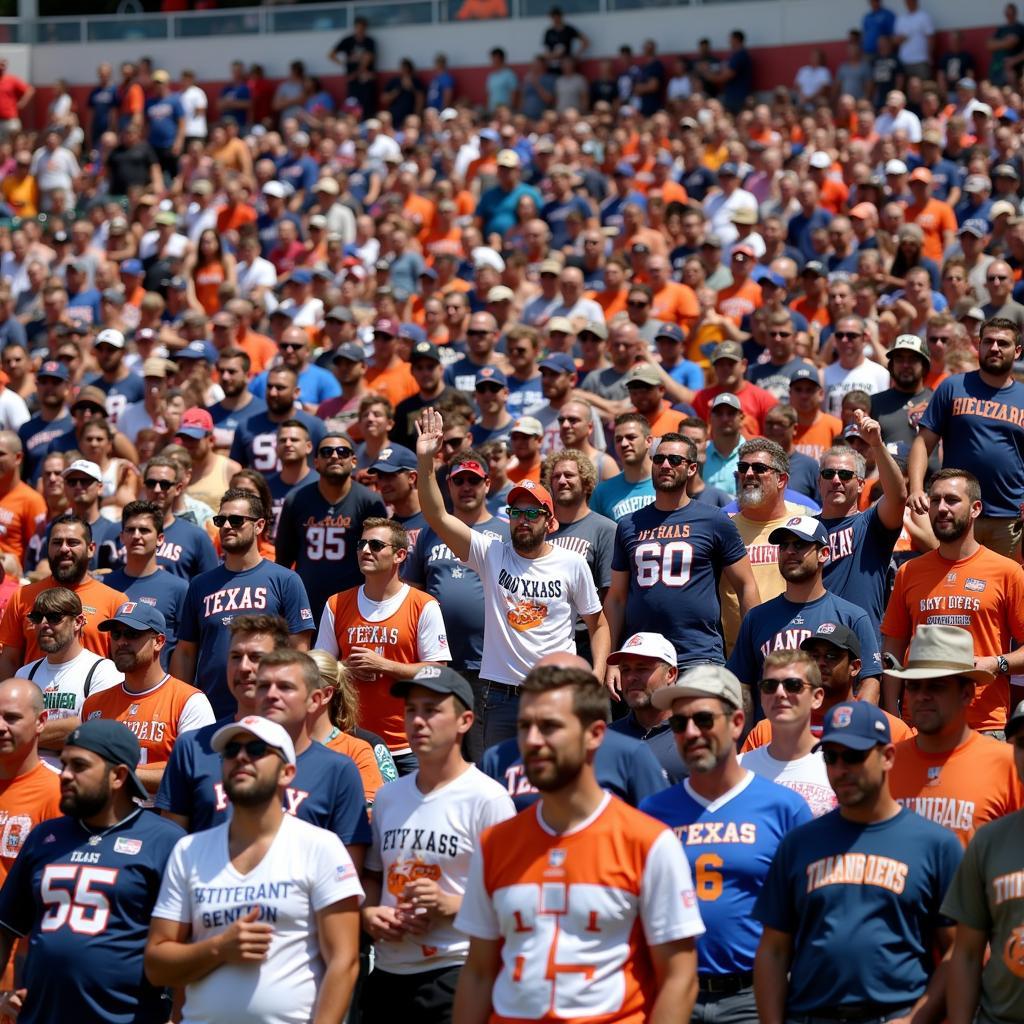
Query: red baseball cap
[535, 493]
[469, 466]
[196, 423]
[386, 326]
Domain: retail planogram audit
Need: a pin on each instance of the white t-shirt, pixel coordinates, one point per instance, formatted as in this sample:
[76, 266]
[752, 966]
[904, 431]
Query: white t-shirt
[136, 418]
[193, 99]
[149, 245]
[63, 686]
[305, 870]
[530, 605]
[260, 273]
[870, 376]
[13, 410]
[430, 835]
[811, 80]
[806, 776]
[917, 26]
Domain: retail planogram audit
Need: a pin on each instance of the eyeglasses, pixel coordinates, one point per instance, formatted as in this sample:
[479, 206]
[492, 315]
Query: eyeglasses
[780, 334]
[704, 720]
[791, 684]
[465, 479]
[235, 522]
[328, 450]
[673, 460]
[159, 485]
[254, 749]
[530, 514]
[846, 475]
[569, 419]
[847, 335]
[127, 633]
[759, 468]
[376, 546]
[847, 756]
[52, 618]
[453, 442]
[634, 303]
[80, 481]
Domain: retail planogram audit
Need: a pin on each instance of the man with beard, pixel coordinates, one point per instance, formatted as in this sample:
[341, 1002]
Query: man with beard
[287, 942]
[255, 441]
[730, 822]
[115, 380]
[633, 488]
[899, 408]
[245, 582]
[83, 888]
[315, 383]
[784, 622]
[638, 963]
[154, 705]
[320, 522]
[238, 403]
[293, 451]
[977, 418]
[69, 550]
[533, 591]
[961, 584]
[669, 558]
[51, 421]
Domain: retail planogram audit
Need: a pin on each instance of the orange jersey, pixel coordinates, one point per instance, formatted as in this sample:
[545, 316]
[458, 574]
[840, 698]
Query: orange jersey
[817, 436]
[937, 375]
[395, 383]
[960, 789]
[517, 474]
[22, 510]
[761, 734]
[934, 218]
[362, 755]
[665, 421]
[231, 218]
[611, 303]
[983, 594]
[812, 311]
[260, 349]
[99, 602]
[833, 195]
[676, 304]
[739, 300]
[574, 914]
[157, 717]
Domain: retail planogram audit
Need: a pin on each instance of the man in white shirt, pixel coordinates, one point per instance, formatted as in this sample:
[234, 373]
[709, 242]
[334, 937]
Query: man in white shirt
[913, 32]
[68, 673]
[194, 100]
[852, 371]
[533, 590]
[791, 690]
[721, 204]
[896, 118]
[426, 827]
[285, 945]
[256, 276]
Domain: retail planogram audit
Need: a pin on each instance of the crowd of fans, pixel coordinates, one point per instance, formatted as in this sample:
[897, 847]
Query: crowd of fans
[631, 432]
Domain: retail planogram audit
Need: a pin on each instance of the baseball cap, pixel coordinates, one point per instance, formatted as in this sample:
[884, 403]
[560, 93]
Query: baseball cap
[864, 211]
[727, 350]
[836, 634]
[484, 256]
[90, 396]
[623, 169]
[974, 226]
[385, 325]
[114, 295]
[288, 312]
[490, 375]
[166, 217]
[921, 174]
[804, 373]
[439, 679]
[550, 266]
[341, 313]
[596, 327]
[154, 367]
[645, 645]
[743, 215]
[507, 158]
[53, 368]
[412, 332]
[327, 185]
[671, 331]
[351, 351]
[1001, 207]
[137, 615]
[701, 681]
[713, 241]
[820, 160]
[501, 293]
[132, 267]
[643, 374]
[1016, 721]
[394, 459]
[981, 108]
[161, 77]
[812, 267]
[909, 343]
[197, 350]
[471, 466]
[196, 423]
[560, 362]
[300, 276]
[728, 170]
[109, 336]
[271, 733]
[531, 491]
[729, 399]
[85, 467]
[274, 188]
[744, 249]
[895, 167]
[114, 742]
[425, 350]
[850, 430]
[804, 527]
[976, 183]
[560, 325]
[765, 275]
[855, 724]
[528, 425]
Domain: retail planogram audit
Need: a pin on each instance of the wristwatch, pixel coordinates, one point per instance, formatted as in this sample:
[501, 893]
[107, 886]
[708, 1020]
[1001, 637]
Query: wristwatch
[1002, 664]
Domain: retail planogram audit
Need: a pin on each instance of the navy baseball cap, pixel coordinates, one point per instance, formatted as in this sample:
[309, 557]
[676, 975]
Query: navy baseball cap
[351, 351]
[136, 615]
[490, 375]
[624, 169]
[728, 169]
[115, 743]
[198, 349]
[560, 362]
[855, 724]
[670, 331]
[394, 459]
[285, 311]
[804, 373]
[53, 368]
[440, 679]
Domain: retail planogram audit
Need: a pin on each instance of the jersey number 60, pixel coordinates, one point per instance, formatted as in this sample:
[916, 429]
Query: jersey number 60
[663, 563]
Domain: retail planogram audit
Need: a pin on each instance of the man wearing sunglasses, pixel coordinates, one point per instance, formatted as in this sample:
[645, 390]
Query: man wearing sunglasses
[730, 822]
[852, 371]
[286, 942]
[870, 872]
[491, 393]
[481, 339]
[315, 383]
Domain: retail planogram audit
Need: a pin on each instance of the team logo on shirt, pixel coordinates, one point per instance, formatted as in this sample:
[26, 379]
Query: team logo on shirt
[133, 709]
[841, 717]
[976, 585]
[825, 628]
[951, 579]
[556, 858]
[402, 872]
[1013, 952]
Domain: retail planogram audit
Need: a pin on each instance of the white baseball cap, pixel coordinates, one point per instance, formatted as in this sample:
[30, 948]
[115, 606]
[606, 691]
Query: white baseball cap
[645, 645]
[271, 733]
[109, 336]
[86, 467]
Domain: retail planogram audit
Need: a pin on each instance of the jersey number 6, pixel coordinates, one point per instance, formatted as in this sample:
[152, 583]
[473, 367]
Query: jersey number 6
[663, 563]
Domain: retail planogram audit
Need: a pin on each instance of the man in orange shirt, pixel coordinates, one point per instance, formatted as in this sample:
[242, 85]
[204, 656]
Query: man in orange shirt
[961, 584]
[934, 217]
[647, 393]
[948, 772]
[69, 551]
[743, 296]
[612, 298]
[154, 705]
[673, 302]
[816, 431]
[22, 508]
[388, 373]
[832, 191]
[525, 439]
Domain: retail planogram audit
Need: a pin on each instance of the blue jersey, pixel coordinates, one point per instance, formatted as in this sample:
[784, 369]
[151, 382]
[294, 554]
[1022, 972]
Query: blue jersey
[316, 385]
[185, 551]
[225, 421]
[524, 396]
[730, 844]
[279, 490]
[319, 539]
[84, 899]
[120, 393]
[982, 429]
[36, 436]
[873, 891]
[255, 443]
[163, 115]
[327, 789]
[458, 590]
[461, 374]
[160, 589]
[675, 560]
[783, 625]
[860, 547]
[616, 497]
[623, 766]
[216, 597]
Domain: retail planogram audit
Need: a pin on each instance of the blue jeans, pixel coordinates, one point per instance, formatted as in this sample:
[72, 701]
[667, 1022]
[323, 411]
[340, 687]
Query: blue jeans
[497, 708]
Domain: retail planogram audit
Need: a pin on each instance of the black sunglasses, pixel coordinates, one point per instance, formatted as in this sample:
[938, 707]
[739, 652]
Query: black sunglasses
[704, 720]
[780, 334]
[341, 450]
[847, 756]
[453, 442]
[490, 387]
[126, 633]
[159, 485]
[235, 522]
[844, 474]
[376, 546]
[291, 345]
[847, 335]
[80, 481]
[52, 618]
[254, 749]
[791, 684]
[759, 468]
[673, 460]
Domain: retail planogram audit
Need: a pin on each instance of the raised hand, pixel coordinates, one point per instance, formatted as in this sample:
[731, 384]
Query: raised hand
[870, 430]
[429, 434]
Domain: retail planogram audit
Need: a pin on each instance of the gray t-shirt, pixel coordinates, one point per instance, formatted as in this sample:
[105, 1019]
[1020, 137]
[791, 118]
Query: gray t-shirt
[608, 384]
[593, 537]
[898, 414]
[1010, 310]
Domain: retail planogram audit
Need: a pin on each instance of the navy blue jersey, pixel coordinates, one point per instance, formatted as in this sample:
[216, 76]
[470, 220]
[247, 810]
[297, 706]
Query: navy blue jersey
[214, 598]
[860, 548]
[803, 478]
[327, 790]
[982, 429]
[36, 436]
[84, 900]
[226, 421]
[255, 441]
[675, 560]
[458, 590]
[120, 393]
[660, 741]
[319, 539]
[873, 891]
[623, 766]
[730, 844]
[279, 490]
[185, 552]
[106, 535]
[160, 589]
[461, 374]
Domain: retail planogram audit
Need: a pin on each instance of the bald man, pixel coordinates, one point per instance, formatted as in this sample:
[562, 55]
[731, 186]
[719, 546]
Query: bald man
[22, 508]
